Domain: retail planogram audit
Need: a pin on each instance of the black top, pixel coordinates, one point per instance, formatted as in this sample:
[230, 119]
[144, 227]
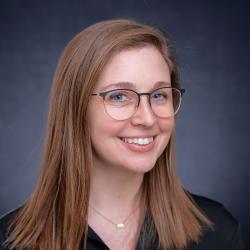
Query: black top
[225, 236]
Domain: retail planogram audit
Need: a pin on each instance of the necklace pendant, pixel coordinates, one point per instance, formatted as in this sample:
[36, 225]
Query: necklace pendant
[120, 225]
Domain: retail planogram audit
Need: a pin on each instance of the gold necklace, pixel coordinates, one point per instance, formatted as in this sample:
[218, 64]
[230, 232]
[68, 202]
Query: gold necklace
[118, 225]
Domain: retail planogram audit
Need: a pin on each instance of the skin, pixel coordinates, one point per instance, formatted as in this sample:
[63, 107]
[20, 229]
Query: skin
[117, 171]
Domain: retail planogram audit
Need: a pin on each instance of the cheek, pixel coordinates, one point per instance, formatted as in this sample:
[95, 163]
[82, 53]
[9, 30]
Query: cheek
[101, 126]
[166, 125]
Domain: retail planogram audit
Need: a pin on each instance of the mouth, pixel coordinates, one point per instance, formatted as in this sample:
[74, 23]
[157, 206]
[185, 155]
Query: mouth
[140, 141]
[139, 144]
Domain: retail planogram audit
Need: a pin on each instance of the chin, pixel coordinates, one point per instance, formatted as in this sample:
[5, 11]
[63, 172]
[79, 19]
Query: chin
[140, 165]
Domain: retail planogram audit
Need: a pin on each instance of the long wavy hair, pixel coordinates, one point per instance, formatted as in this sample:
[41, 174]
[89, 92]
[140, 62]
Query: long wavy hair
[55, 216]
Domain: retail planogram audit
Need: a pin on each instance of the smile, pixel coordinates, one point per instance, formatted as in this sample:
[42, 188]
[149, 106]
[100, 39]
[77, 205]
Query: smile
[138, 144]
[138, 141]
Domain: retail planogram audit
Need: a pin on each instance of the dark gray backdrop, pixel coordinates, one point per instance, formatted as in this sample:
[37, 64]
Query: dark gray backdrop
[212, 43]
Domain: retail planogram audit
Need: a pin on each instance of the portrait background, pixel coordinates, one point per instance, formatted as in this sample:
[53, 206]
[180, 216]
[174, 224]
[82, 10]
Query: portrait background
[212, 44]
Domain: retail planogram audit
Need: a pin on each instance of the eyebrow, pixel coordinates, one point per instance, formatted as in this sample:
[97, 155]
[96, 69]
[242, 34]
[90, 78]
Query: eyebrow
[131, 85]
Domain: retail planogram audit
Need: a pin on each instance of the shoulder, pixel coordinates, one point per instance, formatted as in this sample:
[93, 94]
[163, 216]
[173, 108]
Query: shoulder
[5, 221]
[226, 233]
[215, 211]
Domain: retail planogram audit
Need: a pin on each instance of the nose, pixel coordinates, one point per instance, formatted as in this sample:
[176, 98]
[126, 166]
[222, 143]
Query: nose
[144, 114]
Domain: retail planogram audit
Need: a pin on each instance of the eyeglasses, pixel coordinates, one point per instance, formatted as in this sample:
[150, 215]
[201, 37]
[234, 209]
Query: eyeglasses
[121, 104]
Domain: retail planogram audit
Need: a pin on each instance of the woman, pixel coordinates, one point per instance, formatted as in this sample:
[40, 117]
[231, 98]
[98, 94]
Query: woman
[108, 173]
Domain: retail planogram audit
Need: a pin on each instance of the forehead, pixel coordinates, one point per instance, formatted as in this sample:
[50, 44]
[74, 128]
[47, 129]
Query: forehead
[139, 68]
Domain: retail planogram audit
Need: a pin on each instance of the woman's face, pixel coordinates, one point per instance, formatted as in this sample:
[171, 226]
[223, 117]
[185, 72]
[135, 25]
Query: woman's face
[143, 70]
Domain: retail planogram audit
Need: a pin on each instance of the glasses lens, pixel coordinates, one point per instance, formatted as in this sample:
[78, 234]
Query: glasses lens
[165, 102]
[121, 104]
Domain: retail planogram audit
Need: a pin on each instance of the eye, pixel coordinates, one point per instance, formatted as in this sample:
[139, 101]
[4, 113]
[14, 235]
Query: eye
[117, 96]
[120, 97]
[162, 95]
[159, 96]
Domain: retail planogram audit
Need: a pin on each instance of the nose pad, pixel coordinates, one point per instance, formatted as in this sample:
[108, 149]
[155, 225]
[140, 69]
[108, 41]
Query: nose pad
[144, 114]
[145, 102]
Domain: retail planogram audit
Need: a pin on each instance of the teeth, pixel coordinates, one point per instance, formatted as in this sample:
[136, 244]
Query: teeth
[140, 141]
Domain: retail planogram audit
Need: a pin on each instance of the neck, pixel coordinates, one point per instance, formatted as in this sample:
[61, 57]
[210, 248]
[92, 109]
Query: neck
[115, 191]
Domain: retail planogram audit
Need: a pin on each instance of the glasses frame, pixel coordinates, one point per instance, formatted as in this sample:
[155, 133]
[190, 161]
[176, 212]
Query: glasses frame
[105, 93]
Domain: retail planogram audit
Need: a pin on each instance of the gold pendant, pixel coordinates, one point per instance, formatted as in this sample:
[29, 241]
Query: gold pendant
[120, 225]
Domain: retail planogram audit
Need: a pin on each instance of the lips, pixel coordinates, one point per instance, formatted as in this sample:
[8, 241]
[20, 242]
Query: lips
[138, 144]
